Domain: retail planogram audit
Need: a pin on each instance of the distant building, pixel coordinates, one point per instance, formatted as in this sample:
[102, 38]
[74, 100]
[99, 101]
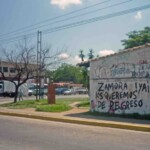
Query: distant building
[8, 69]
[67, 84]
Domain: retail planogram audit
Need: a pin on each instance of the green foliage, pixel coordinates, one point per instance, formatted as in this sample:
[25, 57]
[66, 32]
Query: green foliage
[42, 105]
[137, 38]
[53, 108]
[86, 77]
[84, 104]
[24, 104]
[90, 54]
[81, 55]
[70, 100]
[68, 73]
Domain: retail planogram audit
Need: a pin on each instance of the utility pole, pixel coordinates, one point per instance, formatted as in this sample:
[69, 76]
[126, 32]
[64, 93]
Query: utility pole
[39, 57]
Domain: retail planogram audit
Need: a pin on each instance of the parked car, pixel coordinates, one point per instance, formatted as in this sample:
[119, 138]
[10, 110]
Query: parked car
[59, 91]
[69, 92]
[45, 91]
[30, 92]
[82, 91]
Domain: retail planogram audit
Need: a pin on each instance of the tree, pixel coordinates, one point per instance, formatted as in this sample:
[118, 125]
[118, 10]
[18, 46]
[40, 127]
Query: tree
[68, 73]
[81, 55]
[85, 73]
[137, 38]
[24, 61]
[90, 54]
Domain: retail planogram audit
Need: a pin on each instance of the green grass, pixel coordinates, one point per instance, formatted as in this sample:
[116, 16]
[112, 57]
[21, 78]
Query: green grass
[24, 104]
[53, 108]
[71, 100]
[85, 104]
[42, 105]
[63, 105]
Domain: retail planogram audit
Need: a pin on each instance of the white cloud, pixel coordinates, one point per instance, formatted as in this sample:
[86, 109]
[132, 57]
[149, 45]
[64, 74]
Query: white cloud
[76, 59]
[138, 15]
[64, 3]
[106, 52]
[63, 56]
[71, 59]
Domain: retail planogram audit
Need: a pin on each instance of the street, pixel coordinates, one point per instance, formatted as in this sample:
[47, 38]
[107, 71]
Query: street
[8, 99]
[28, 134]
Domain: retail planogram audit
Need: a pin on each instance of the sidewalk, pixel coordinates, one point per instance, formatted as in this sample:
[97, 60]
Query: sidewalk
[80, 116]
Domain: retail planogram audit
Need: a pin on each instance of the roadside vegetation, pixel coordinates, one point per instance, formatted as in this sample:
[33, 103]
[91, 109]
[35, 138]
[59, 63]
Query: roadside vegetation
[84, 104]
[64, 104]
[42, 105]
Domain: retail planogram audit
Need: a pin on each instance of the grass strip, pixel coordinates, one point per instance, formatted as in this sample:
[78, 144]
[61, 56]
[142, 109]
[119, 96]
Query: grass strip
[53, 108]
[42, 105]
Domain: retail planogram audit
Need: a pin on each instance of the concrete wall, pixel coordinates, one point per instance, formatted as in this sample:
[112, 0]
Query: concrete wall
[120, 83]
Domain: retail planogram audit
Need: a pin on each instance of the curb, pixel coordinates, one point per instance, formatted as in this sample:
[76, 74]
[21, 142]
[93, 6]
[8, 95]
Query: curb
[144, 128]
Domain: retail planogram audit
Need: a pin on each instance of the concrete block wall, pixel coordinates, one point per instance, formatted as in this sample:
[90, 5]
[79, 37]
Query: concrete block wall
[120, 83]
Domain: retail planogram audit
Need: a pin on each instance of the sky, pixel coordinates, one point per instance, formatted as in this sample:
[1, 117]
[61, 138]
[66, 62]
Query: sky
[103, 36]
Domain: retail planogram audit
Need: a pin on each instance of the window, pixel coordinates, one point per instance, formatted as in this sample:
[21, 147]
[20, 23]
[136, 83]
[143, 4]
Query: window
[12, 70]
[1, 69]
[5, 69]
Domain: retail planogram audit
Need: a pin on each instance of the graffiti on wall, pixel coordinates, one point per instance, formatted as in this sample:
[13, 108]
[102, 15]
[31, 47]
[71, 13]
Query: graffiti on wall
[121, 83]
[142, 69]
[120, 96]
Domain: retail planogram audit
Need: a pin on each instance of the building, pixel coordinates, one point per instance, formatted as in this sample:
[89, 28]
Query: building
[67, 84]
[10, 69]
[120, 83]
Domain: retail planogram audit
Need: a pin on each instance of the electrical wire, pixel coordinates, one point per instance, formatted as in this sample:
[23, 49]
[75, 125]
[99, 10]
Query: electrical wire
[54, 18]
[100, 18]
[67, 19]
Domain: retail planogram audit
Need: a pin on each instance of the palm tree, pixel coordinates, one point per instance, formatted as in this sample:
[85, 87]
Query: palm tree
[81, 55]
[90, 54]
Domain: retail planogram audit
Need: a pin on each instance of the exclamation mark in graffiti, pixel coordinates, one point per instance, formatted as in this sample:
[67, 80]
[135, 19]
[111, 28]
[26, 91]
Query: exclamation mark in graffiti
[148, 86]
[136, 86]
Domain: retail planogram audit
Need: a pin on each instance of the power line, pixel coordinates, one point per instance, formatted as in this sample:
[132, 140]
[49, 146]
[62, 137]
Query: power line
[54, 18]
[59, 21]
[96, 19]
[17, 38]
[100, 18]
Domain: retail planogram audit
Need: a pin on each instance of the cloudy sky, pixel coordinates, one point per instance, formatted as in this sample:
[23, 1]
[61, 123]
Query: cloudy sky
[103, 36]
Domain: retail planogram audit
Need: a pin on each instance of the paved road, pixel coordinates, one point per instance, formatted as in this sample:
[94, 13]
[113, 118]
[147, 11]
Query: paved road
[7, 99]
[28, 134]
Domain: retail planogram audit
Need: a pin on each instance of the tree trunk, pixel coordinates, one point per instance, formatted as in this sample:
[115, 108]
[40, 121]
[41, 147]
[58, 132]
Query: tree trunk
[16, 94]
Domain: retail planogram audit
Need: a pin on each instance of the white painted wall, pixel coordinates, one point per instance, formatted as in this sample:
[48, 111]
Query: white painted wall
[120, 83]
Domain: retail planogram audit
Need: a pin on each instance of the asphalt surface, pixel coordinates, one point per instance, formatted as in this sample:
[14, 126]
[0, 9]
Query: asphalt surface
[78, 116]
[29, 134]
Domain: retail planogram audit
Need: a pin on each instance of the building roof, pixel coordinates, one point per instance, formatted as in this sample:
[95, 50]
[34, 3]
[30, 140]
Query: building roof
[123, 51]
